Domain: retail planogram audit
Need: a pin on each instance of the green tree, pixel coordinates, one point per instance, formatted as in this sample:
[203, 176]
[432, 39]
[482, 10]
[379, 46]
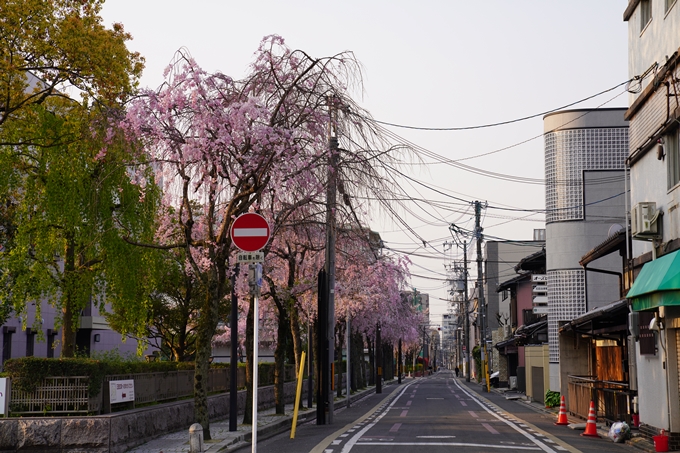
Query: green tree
[68, 200]
[73, 207]
[48, 45]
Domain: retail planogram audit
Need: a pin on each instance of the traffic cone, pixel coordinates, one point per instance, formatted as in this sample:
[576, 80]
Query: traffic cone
[591, 425]
[562, 416]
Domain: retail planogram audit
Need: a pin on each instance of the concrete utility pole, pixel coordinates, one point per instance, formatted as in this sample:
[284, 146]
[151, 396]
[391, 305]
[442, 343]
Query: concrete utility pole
[480, 289]
[466, 343]
[468, 354]
[331, 192]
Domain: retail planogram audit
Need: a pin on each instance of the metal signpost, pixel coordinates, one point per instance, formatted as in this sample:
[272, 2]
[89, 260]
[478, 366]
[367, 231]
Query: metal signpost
[250, 233]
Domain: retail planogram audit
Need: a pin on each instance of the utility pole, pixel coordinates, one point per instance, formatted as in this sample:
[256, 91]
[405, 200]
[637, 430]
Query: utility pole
[331, 191]
[468, 354]
[480, 289]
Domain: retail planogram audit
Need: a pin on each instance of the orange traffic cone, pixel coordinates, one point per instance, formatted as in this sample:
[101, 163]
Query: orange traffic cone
[562, 416]
[591, 425]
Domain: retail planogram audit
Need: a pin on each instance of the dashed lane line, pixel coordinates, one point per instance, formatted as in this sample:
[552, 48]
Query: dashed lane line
[321, 447]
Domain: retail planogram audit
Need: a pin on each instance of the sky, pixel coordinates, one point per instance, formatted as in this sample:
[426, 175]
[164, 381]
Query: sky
[428, 64]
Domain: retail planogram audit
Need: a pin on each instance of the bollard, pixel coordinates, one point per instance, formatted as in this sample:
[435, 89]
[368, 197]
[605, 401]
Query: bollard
[196, 438]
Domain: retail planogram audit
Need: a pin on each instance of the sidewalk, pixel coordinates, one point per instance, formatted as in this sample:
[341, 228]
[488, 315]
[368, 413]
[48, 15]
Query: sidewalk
[225, 441]
[637, 441]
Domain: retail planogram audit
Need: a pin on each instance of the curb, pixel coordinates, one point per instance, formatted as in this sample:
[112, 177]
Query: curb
[286, 422]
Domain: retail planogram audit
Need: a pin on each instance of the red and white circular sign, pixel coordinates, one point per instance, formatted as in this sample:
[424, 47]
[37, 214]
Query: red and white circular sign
[250, 232]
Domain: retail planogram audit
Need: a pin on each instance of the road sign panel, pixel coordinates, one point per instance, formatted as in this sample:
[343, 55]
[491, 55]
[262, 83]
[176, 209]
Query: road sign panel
[250, 232]
[249, 257]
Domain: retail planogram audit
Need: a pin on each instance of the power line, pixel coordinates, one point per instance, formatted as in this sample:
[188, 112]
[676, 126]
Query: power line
[501, 123]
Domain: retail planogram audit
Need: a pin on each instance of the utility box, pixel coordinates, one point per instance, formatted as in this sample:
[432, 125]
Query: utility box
[643, 218]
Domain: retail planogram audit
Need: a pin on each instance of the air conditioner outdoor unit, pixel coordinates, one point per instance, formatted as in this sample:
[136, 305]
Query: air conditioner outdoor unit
[643, 218]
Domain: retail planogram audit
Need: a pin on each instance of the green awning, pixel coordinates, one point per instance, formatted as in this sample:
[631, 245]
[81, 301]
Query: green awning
[657, 284]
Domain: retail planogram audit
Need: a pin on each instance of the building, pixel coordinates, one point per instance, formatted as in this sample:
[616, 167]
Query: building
[500, 259]
[654, 161]
[585, 151]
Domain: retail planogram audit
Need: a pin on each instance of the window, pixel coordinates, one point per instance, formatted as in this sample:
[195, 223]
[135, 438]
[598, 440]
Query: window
[645, 13]
[30, 342]
[7, 342]
[51, 334]
[669, 4]
[672, 151]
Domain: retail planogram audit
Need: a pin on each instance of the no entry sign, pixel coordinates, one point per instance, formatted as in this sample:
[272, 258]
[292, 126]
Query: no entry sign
[250, 232]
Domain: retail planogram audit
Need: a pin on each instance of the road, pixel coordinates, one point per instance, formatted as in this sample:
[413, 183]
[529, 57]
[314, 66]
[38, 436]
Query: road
[439, 414]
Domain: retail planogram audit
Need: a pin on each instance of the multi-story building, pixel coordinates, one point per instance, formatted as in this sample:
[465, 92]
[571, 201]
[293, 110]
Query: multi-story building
[585, 152]
[654, 161]
[500, 259]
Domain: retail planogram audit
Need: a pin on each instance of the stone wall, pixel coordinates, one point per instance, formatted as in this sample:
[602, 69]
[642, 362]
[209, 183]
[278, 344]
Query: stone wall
[118, 432]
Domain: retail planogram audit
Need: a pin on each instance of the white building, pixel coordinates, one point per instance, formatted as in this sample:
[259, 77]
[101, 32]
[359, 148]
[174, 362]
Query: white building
[585, 151]
[654, 161]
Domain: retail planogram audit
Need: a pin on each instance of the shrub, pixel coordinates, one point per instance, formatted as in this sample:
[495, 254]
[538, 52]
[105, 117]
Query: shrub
[552, 399]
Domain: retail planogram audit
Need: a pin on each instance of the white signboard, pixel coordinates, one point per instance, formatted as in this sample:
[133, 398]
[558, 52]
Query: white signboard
[122, 391]
[541, 310]
[4, 395]
[542, 278]
[250, 257]
[540, 289]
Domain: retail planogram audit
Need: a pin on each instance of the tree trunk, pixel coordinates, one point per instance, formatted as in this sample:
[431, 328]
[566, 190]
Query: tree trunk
[371, 358]
[68, 326]
[297, 345]
[338, 354]
[248, 413]
[206, 330]
[355, 359]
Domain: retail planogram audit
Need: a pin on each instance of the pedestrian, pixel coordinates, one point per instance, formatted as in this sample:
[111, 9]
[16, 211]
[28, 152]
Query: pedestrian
[457, 371]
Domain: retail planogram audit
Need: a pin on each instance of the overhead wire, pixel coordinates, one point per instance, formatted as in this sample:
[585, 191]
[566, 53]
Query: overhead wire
[502, 123]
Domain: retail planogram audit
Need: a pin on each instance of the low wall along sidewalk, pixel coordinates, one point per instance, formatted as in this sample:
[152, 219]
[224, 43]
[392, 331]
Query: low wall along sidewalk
[118, 432]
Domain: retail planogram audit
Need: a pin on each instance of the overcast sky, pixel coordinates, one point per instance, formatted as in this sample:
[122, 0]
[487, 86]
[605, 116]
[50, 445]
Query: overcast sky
[432, 64]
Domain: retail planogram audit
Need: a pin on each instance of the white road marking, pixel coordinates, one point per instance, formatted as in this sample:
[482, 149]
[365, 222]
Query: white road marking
[336, 442]
[529, 436]
[449, 444]
[435, 437]
[350, 443]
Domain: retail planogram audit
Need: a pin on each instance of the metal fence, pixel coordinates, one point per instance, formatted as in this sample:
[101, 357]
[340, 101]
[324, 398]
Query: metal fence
[612, 399]
[56, 395]
[70, 395]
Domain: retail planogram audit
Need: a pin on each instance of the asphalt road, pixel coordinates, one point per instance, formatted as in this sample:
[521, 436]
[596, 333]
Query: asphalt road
[438, 414]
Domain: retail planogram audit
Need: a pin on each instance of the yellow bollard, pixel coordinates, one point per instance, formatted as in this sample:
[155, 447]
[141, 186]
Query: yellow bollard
[297, 395]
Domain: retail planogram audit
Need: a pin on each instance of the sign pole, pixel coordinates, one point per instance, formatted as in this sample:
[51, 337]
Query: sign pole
[250, 232]
[256, 347]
